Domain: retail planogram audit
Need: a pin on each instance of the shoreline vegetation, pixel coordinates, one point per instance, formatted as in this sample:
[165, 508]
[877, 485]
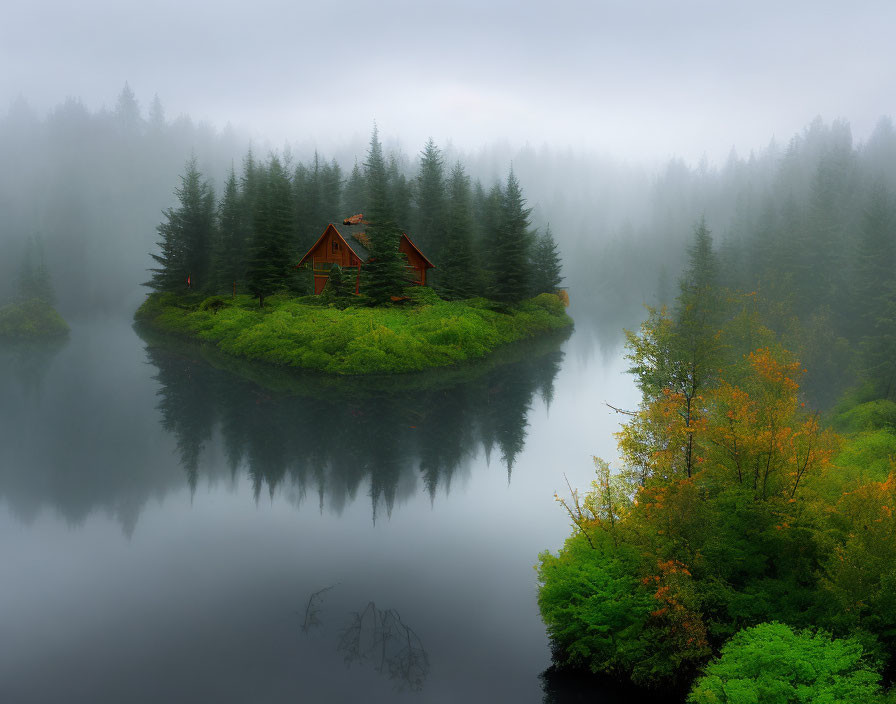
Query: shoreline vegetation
[31, 320]
[742, 545]
[306, 333]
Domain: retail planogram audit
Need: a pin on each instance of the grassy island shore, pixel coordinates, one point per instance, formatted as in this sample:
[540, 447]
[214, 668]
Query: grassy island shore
[32, 319]
[303, 333]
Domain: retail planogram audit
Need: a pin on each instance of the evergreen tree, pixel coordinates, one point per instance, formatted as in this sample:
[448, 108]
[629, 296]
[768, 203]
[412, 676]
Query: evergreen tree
[269, 267]
[231, 254]
[399, 194]
[546, 267]
[187, 235]
[875, 260]
[33, 280]
[429, 191]
[384, 273]
[512, 274]
[127, 113]
[489, 216]
[457, 279]
[354, 195]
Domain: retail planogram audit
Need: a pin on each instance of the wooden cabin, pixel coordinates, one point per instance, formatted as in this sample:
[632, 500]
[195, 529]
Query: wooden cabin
[349, 247]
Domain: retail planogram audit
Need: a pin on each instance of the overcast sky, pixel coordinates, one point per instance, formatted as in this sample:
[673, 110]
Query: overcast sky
[644, 80]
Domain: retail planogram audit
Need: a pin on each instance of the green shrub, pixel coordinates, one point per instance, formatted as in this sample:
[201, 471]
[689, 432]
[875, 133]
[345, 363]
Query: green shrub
[772, 664]
[871, 415]
[421, 295]
[214, 304]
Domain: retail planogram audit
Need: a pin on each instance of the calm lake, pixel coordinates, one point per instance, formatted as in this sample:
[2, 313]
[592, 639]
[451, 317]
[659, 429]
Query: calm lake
[172, 532]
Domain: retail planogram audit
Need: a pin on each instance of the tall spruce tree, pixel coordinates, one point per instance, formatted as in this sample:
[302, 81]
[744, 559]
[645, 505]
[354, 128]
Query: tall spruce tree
[186, 236]
[354, 195]
[399, 193]
[546, 267]
[874, 275]
[269, 267]
[231, 252]
[512, 275]
[457, 279]
[33, 280]
[489, 211]
[429, 197]
[384, 273]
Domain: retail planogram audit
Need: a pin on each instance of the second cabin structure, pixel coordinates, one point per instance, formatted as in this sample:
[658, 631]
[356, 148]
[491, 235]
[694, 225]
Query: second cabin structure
[349, 247]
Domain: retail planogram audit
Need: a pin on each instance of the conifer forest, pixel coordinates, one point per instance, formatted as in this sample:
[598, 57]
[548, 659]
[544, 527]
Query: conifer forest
[457, 352]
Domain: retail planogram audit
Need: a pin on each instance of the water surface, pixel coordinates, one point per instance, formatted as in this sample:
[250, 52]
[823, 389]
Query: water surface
[171, 531]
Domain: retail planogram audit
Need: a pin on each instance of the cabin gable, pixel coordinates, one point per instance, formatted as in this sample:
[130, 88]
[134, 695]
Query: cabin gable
[351, 252]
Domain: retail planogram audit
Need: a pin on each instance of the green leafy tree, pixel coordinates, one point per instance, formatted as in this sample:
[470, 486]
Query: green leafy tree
[186, 236]
[774, 664]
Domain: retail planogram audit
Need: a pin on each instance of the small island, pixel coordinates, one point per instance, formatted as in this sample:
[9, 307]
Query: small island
[31, 316]
[361, 297]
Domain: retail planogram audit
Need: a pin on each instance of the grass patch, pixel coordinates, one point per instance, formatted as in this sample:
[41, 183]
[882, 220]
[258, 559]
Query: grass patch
[354, 340]
[31, 320]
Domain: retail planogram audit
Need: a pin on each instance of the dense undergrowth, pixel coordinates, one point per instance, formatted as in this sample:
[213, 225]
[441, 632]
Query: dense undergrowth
[307, 333]
[738, 522]
[32, 319]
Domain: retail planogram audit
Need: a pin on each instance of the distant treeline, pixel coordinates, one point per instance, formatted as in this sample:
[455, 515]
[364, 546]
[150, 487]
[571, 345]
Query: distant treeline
[481, 241]
[810, 228]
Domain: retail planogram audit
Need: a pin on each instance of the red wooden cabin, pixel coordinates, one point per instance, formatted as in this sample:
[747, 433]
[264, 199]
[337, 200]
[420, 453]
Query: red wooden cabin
[350, 249]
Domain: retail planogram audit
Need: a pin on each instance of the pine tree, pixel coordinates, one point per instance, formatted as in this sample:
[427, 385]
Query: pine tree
[269, 267]
[429, 196]
[33, 280]
[399, 194]
[354, 195]
[488, 208]
[512, 273]
[231, 253]
[457, 279]
[546, 267]
[874, 275]
[187, 235]
[384, 273]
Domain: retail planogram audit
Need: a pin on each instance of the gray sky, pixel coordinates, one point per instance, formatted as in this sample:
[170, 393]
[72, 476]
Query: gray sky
[644, 80]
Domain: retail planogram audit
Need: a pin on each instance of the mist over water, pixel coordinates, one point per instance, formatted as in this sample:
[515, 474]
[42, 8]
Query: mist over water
[177, 525]
[169, 540]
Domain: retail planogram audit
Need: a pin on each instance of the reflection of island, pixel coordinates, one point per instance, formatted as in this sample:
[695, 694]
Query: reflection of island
[27, 362]
[338, 434]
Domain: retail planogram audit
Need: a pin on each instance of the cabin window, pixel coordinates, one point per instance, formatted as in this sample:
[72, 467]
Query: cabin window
[335, 245]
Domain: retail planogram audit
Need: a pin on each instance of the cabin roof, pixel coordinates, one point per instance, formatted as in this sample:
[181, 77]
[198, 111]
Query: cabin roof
[354, 235]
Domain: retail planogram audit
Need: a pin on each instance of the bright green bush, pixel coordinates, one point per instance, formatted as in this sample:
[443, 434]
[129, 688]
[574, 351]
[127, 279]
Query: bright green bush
[423, 333]
[772, 664]
[33, 319]
[593, 605]
[872, 415]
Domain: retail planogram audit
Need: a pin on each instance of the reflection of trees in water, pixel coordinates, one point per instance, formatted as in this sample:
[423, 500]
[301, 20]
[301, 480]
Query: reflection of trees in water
[332, 438]
[383, 641]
